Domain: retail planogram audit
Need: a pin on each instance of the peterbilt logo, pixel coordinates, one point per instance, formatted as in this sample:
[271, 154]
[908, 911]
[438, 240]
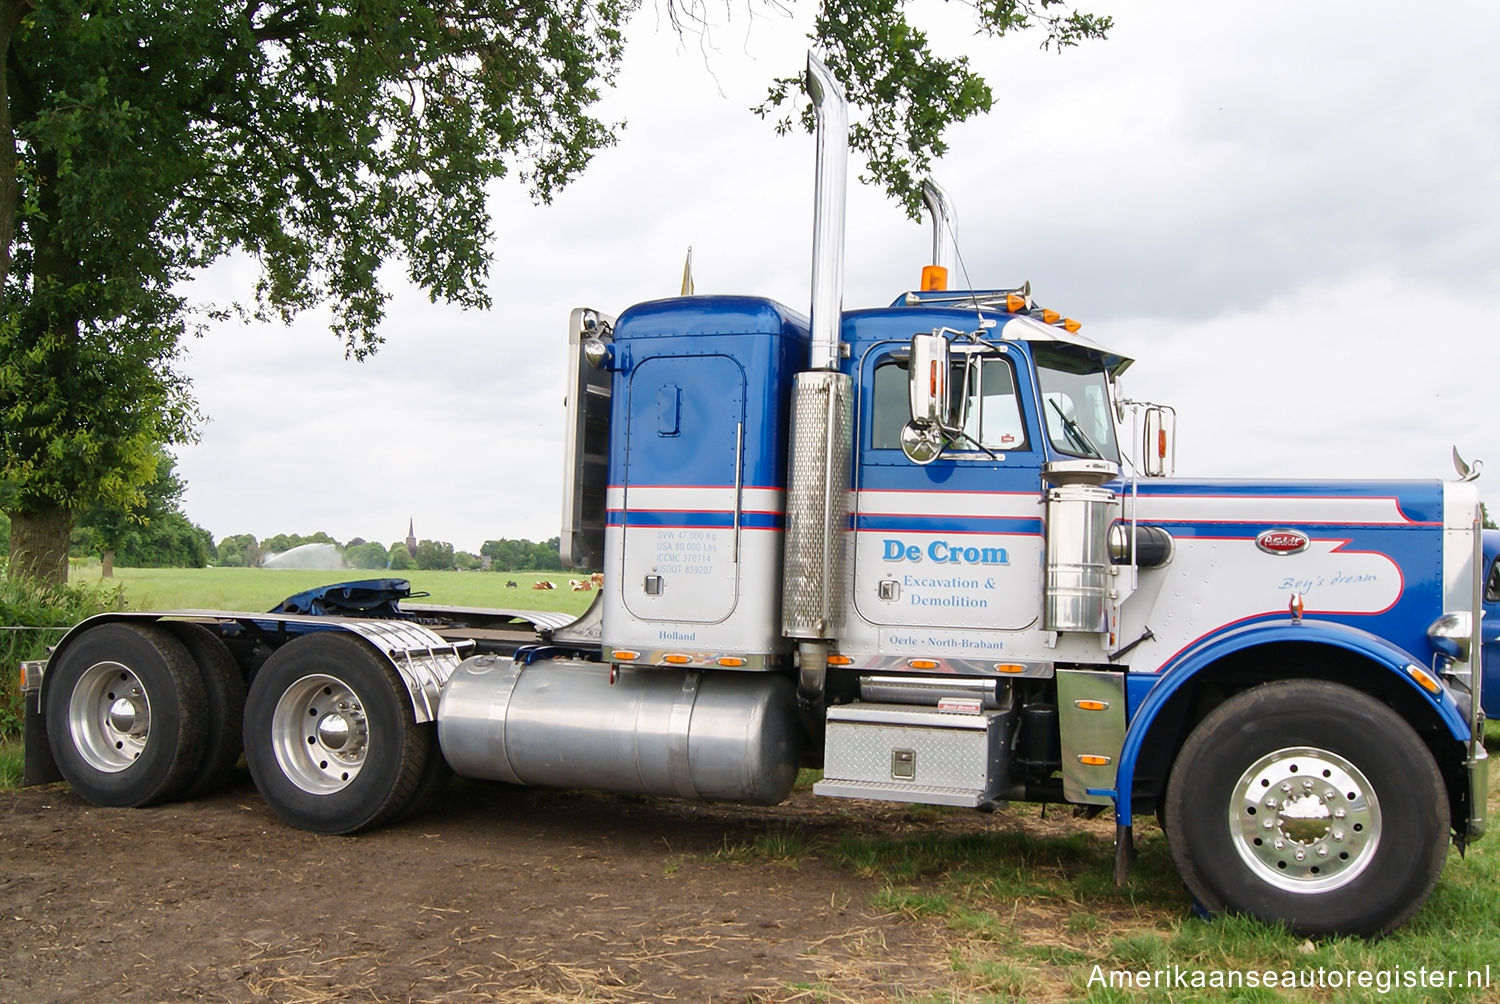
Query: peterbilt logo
[1282, 541]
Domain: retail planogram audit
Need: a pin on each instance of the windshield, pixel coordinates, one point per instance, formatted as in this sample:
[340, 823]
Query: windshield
[1075, 404]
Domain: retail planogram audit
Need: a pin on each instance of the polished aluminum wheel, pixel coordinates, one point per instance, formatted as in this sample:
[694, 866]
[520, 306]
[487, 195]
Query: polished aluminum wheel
[320, 734]
[1305, 820]
[109, 717]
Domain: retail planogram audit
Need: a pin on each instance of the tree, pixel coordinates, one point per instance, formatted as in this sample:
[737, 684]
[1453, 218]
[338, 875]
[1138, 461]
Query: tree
[151, 532]
[401, 559]
[144, 140]
[240, 550]
[436, 555]
[366, 554]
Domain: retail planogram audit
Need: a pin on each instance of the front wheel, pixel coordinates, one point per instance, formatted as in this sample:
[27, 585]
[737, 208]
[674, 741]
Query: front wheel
[1310, 803]
[330, 738]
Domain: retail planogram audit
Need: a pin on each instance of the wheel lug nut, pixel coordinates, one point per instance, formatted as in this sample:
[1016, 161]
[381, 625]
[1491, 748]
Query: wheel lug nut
[1300, 855]
[1270, 803]
[1337, 835]
[1286, 787]
[1322, 850]
[1307, 784]
[1279, 844]
[1339, 813]
[1268, 824]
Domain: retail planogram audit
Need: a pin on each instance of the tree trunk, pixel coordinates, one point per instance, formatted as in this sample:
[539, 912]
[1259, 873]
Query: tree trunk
[107, 564]
[39, 544]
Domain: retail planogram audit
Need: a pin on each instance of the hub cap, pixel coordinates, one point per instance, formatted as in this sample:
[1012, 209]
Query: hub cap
[109, 717]
[1304, 820]
[320, 734]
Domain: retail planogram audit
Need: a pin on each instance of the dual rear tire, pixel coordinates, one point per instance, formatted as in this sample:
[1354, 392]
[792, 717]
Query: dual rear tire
[139, 714]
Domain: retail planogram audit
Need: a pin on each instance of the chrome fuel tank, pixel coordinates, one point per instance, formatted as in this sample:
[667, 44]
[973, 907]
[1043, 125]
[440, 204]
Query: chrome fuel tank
[716, 736]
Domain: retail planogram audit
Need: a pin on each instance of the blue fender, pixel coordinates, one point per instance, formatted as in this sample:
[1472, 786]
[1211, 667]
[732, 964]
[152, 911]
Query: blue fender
[1186, 666]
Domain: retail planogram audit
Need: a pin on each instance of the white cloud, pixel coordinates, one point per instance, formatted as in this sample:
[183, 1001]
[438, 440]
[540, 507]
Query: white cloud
[1286, 211]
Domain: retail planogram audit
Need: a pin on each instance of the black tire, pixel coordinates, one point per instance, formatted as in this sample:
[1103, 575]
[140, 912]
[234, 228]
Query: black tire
[435, 778]
[330, 738]
[1310, 768]
[224, 685]
[126, 715]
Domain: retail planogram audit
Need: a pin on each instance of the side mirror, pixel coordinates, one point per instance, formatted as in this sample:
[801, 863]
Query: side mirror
[928, 373]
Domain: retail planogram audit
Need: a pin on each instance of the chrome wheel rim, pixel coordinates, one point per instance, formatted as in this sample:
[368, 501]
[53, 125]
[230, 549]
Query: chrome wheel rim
[320, 734]
[1305, 820]
[109, 717]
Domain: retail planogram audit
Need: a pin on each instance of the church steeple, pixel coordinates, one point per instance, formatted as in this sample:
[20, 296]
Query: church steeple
[411, 538]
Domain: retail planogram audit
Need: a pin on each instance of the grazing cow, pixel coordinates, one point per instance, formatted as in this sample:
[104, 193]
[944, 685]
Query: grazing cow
[543, 584]
[581, 585]
[597, 578]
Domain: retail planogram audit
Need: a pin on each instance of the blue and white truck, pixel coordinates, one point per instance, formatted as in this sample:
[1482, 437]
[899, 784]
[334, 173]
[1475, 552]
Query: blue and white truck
[928, 548]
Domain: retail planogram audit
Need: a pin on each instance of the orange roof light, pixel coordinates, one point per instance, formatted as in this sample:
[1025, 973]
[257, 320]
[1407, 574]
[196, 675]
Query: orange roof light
[1015, 302]
[1050, 316]
[934, 278]
[1071, 325]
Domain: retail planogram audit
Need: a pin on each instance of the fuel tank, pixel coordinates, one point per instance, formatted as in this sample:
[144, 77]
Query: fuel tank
[714, 736]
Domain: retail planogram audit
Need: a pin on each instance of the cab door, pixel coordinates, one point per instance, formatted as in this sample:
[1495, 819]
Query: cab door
[948, 554]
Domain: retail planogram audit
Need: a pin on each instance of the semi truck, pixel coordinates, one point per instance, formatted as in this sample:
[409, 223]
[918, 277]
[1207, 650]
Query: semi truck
[929, 548]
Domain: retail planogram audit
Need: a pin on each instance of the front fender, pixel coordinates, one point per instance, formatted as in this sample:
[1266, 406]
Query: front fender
[1183, 669]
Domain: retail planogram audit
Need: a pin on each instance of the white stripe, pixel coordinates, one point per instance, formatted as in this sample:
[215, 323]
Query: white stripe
[1294, 509]
[899, 503]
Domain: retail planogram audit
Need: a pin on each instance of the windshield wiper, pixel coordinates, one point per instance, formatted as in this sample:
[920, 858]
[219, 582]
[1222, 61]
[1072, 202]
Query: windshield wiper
[1077, 435]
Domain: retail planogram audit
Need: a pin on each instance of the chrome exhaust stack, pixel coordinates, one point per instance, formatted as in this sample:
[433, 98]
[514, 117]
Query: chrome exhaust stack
[828, 213]
[822, 422]
[940, 208]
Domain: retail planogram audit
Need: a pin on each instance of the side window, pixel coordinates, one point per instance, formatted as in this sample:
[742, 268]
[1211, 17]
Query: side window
[994, 418]
[1492, 583]
[890, 405]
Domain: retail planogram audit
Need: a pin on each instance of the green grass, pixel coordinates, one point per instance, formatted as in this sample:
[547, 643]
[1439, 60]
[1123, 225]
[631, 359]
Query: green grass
[1033, 913]
[258, 589]
[11, 759]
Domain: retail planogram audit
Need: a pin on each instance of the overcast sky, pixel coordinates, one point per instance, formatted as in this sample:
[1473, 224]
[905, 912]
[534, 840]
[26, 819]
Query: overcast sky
[1287, 212]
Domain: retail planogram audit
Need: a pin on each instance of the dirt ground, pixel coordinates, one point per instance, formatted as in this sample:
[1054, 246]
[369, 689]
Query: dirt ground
[497, 894]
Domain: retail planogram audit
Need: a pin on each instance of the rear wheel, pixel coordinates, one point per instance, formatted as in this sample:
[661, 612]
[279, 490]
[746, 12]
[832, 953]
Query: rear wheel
[1310, 803]
[126, 715]
[330, 737]
[224, 688]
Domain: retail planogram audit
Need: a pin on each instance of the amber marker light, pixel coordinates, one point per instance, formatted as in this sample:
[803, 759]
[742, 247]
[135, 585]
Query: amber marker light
[675, 659]
[1424, 679]
[840, 660]
[1071, 325]
[1009, 667]
[1092, 705]
[1050, 316]
[922, 663]
[1015, 302]
[621, 655]
[934, 278]
[730, 661]
[1093, 760]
